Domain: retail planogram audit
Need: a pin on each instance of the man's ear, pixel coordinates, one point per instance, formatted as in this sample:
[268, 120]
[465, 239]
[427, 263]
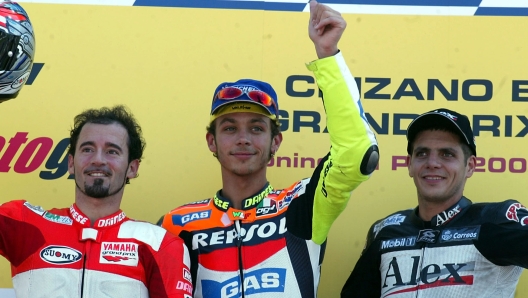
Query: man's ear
[71, 168]
[133, 168]
[276, 142]
[471, 165]
[211, 143]
[408, 161]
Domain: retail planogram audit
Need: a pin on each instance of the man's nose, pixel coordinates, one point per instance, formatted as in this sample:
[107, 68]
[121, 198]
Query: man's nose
[98, 157]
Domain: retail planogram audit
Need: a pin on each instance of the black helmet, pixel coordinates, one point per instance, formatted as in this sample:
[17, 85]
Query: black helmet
[17, 49]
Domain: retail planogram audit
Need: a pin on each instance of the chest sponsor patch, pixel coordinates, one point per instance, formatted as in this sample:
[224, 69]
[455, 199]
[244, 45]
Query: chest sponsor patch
[395, 219]
[119, 253]
[181, 220]
[299, 189]
[446, 216]
[398, 242]
[460, 234]
[268, 280]
[266, 206]
[65, 220]
[60, 255]
[427, 236]
[37, 209]
[249, 234]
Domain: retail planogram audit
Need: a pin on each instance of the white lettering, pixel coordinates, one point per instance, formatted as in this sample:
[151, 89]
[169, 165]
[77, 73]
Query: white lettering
[230, 290]
[199, 239]
[270, 280]
[250, 233]
[216, 238]
[262, 230]
[251, 282]
[265, 230]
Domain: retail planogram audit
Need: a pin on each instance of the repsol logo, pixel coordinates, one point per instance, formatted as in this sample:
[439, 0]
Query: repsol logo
[32, 153]
[267, 280]
[410, 271]
[419, 89]
[254, 233]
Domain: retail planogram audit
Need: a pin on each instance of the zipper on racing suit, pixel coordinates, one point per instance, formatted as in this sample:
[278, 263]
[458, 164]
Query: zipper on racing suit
[83, 270]
[87, 249]
[240, 265]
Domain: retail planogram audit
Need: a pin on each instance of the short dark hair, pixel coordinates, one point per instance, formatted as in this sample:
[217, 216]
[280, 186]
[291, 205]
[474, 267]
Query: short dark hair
[117, 114]
[436, 126]
[275, 128]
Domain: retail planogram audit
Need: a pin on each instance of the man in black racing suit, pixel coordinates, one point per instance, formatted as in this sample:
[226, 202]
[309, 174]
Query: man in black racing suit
[447, 246]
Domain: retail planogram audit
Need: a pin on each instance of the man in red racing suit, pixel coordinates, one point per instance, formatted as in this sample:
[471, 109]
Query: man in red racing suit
[92, 249]
[251, 240]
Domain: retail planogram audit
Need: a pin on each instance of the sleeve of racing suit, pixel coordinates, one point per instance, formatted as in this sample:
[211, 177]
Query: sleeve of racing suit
[168, 272]
[503, 237]
[365, 279]
[18, 237]
[353, 153]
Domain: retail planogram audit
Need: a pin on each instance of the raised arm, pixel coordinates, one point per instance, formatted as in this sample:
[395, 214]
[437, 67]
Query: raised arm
[354, 152]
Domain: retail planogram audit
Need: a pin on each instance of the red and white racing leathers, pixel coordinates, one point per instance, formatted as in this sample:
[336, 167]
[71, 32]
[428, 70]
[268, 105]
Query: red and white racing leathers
[57, 253]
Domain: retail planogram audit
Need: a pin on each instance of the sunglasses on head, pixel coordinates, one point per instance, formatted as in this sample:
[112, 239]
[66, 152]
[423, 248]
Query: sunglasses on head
[229, 93]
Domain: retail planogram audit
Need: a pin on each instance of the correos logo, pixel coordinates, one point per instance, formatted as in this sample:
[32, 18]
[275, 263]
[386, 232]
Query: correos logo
[32, 153]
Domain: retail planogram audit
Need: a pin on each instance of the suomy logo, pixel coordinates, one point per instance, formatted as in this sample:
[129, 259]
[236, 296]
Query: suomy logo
[60, 255]
[32, 154]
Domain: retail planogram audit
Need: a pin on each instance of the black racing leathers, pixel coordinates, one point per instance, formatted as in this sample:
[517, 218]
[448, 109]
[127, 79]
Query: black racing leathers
[468, 250]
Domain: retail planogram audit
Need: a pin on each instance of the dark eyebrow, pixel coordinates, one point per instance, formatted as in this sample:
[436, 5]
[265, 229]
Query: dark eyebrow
[421, 149]
[260, 119]
[107, 144]
[444, 149]
[448, 149]
[253, 120]
[230, 120]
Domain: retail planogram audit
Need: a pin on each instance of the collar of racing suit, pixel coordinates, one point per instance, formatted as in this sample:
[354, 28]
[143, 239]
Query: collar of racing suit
[443, 217]
[248, 203]
[80, 218]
